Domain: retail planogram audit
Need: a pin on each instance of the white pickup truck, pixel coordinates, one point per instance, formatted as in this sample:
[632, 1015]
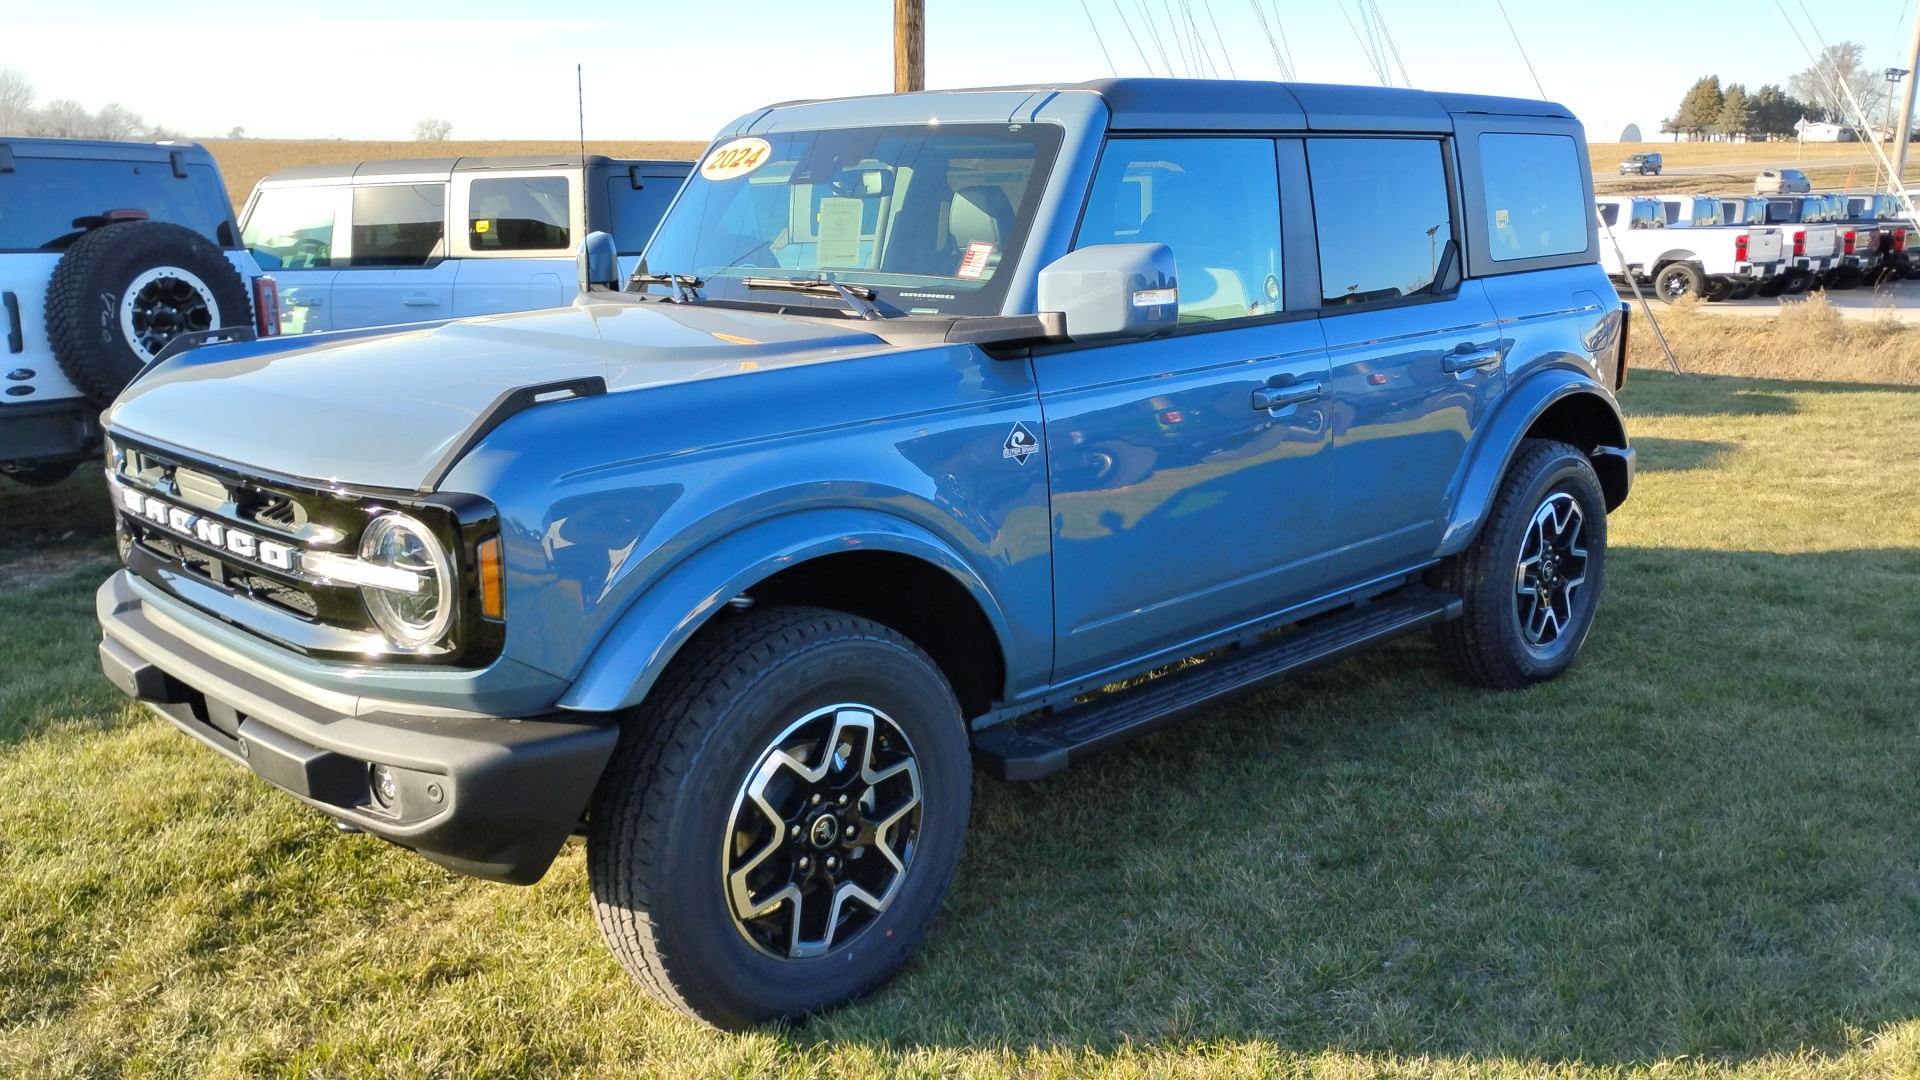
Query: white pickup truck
[1701, 257]
[1813, 240]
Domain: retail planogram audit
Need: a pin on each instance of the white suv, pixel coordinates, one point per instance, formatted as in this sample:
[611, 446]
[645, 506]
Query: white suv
[375, 243]
[108, 252]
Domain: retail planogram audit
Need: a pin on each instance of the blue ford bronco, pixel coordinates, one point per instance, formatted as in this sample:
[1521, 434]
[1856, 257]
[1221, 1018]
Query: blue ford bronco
[925, 421]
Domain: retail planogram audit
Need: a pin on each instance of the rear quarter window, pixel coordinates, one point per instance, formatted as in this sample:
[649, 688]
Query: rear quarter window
[636, 211]
[41, 198]
[1534, 196]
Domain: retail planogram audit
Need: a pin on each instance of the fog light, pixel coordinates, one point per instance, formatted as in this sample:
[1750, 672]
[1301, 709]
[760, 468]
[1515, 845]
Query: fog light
[386, 787]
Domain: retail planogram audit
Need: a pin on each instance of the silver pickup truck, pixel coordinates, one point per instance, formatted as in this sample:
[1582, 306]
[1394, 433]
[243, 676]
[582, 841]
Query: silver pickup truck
[1681, 246]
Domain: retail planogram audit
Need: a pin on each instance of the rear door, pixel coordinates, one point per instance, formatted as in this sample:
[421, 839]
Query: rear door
[1417, 354]
[515, 239]
[293, 231]
[397, 270]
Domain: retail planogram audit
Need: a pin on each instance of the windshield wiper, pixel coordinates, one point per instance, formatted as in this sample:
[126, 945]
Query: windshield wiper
[685, 286]
[857, 297]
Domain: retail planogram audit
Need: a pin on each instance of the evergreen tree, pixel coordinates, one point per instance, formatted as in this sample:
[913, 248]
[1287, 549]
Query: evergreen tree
[1736, 112]
[1700, 110]
[1776, 111]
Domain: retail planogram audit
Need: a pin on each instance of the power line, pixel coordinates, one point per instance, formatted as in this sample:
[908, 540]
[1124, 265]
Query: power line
[1523, 49]
[1280, 28]
[1225, 53]
[1098, 38]
[1148, 64]
[1388, 35]
[1260, 13]
[1377, 73]
[1153, 31]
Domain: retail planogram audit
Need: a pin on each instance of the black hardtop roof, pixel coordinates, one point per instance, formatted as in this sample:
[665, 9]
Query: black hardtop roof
[103, 150]
[417, 166]
[1250, 104]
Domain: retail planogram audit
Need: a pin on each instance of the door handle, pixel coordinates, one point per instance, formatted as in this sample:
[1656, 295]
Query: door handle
[421, 301]
[1273, 398]
[1469, 357]
[303, 301]
[16, 342]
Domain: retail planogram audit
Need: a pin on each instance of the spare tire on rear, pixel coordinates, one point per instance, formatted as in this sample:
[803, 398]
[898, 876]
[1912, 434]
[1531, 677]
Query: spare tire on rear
[123, 291]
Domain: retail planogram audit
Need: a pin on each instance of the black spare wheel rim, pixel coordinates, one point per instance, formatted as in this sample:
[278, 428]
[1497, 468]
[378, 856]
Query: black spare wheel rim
[1550, 572]
[123, 292]
[823, 832]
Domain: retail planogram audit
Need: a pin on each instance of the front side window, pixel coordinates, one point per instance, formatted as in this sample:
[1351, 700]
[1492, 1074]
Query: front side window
[398, 224]
[1381, 211]
[931, 217]
[519, 213]
[291, 228]
[1215, 202]
[1609, 213]
[1534, 188]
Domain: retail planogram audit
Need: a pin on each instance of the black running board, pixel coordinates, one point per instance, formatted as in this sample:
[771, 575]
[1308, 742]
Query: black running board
[1029, 751]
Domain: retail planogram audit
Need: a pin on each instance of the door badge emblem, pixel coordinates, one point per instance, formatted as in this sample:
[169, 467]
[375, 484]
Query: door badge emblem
[1020, 444]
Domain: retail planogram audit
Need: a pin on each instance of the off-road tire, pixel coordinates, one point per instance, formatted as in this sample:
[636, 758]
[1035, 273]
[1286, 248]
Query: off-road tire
[90, 286]
[658, 824]
[1485, 646]
[1678, 280]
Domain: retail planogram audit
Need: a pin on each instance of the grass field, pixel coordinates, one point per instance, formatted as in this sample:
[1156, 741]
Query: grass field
[1694, 856]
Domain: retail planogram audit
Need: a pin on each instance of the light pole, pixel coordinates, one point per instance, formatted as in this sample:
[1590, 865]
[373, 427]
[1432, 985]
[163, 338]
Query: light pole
[1894, 75]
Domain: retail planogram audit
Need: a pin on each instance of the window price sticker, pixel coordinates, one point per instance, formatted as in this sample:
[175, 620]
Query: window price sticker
[974, 263]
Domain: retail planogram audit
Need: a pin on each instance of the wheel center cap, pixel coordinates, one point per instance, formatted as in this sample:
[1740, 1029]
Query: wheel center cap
[826, 829]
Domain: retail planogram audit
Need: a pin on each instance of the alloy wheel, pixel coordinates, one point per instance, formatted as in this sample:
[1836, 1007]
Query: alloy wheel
[1551, 569]
[823, 831]
[162, 304]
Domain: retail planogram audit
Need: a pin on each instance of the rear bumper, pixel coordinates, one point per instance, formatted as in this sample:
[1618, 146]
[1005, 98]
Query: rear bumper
[493, 797]
[49, 431]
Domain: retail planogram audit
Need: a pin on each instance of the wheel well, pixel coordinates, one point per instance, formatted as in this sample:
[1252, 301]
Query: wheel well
[1585, 421]
[915, 597]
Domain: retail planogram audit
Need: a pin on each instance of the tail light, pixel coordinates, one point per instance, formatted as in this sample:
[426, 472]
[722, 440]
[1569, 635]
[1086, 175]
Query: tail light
[1899, 239]
[1800, 242]
[266, 306]
[1740, 248]
[1848, 241]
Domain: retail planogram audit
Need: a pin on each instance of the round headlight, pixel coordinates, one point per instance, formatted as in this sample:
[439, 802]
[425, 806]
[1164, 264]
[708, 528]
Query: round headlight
[416, 617]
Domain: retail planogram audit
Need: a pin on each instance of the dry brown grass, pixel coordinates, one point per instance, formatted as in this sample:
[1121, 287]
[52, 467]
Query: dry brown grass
[243, 162]
[1807, 341]
[1607, 156]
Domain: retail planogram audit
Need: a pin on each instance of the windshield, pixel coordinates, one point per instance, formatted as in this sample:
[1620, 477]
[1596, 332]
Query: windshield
[930, 216]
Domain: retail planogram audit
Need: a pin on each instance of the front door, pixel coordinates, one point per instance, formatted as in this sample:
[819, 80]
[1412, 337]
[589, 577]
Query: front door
[1190, 474]
[397, 267]
[1417, 355]
[293, 231]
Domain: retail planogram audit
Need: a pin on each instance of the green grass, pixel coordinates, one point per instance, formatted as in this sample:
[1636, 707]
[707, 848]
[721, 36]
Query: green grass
[1695, 855]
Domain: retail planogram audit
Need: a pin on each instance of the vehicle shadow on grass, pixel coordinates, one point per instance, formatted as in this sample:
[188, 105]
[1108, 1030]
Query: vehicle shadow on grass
[1698, 842]
[1662, 394]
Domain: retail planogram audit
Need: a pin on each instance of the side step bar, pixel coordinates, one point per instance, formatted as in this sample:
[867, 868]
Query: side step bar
[1040, 748]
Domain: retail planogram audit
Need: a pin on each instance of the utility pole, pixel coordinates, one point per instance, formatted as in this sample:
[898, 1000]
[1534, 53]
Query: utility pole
[1906, 107]
[909, 46]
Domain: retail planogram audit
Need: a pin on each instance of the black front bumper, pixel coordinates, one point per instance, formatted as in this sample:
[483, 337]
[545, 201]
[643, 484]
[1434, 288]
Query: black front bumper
[488, 796]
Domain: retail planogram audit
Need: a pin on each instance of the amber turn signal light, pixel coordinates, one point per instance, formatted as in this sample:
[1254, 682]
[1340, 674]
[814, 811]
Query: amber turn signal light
[493, 582]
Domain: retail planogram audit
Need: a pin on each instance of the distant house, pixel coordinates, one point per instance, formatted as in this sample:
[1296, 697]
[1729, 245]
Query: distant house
[1825, 132]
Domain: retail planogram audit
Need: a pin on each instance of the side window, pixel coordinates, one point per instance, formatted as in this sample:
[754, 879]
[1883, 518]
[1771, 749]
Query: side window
[1381, 211]
[398, 224]
[1610, 213]
[520, 213]
[1215, 202]
[1647, 215]
[635, 213]
[291, 228]
[1534, 190]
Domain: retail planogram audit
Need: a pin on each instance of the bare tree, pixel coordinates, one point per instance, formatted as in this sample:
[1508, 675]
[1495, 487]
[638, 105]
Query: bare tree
[237, 133]
[16, 102]
[433, 130]
[1839, 65]
[118, 122]
[64, 118]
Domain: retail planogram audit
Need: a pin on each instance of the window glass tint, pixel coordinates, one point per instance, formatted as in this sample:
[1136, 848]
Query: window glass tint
[41, 197]
[1380, 209]
[635, 213]
[1534, 191]
[292, 227]
[1610, 213]
[519, 213]
[398, 224]
[1215, 202]
[927, 216]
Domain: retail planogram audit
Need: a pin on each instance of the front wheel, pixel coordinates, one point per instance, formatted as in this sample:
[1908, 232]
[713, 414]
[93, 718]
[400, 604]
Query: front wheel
[781, 818]
[1531, 580]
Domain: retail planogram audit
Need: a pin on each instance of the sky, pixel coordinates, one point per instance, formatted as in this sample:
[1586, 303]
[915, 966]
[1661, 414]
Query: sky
[680, 69]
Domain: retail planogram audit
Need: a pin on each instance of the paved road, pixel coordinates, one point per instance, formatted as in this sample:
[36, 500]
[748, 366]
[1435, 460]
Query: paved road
[1737, 167]
[1900, 300]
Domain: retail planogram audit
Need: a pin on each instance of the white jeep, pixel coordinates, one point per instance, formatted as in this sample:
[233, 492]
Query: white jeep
[108, 252]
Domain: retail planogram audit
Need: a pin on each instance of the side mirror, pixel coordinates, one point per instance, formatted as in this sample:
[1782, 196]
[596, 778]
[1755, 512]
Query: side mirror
[598, 263]
[1112, 290]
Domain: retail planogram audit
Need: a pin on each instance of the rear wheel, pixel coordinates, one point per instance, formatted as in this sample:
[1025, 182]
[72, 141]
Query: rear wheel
[1677, 281]
[1845, 279]
[1718, 289]
[1796, 282]
[782, 817]
[1531, 580]
[1744, 291]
